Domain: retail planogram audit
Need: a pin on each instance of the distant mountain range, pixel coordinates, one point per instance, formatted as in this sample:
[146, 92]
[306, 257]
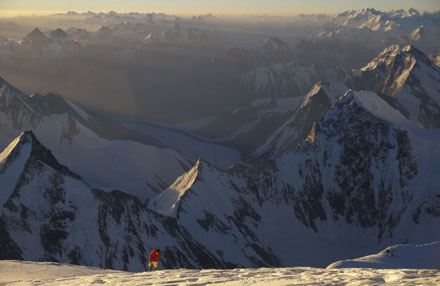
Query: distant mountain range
[344, 171]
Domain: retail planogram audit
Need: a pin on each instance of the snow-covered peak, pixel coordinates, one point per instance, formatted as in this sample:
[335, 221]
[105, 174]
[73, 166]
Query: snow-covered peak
[418, 34]
[413, 12]
[375, 105]
[365, 12]
[315, 104]
[8, 94]
[26, 147]
[167, 202]
[399, 256]
[402, 59]
[25, 138]
[48, 104]
[333, 90]
[408, 78]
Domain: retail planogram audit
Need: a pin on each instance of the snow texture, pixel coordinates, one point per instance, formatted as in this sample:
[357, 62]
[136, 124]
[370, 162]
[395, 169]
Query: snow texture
[400, 256]
[19, 273]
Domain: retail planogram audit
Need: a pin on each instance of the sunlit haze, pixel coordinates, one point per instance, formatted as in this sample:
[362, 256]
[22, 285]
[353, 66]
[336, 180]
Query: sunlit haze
[277, 7]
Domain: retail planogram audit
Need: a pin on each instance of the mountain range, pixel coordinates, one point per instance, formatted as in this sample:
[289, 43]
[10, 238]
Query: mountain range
[342, 171]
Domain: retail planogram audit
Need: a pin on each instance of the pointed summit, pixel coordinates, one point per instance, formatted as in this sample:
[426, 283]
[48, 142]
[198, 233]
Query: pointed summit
[407, 79]
[9, 93]
[35, 37]
[317, 102]
[167, 202]
[58, 35]
[26, 147]
[274, 51]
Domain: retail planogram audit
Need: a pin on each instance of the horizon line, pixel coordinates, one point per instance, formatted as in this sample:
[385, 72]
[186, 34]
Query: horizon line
[40, 13]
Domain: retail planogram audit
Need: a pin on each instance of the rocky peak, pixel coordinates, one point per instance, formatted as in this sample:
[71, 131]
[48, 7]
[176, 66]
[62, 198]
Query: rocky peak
[8, 94]
[28, 142]
[407, 79]
[273, 51]
[36, 37]
[58, 35]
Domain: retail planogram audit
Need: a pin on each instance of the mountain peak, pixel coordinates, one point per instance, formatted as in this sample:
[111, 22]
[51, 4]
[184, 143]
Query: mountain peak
[8, 93]
[407, 79]
[26, 147]
[395, 55]
[58, 35]
[14, 148]
[167, 202]
[36, 36]
[28, 136]
[275, 43]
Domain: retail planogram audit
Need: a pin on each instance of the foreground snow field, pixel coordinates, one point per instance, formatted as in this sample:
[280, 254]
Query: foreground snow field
[41, 273]
[400, 256]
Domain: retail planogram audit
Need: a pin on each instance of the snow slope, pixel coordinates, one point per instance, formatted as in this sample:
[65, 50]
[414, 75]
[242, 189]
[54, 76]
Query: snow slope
[35, 273]
[190, 145]
[403, 256]
[90, 145]
[49, 213]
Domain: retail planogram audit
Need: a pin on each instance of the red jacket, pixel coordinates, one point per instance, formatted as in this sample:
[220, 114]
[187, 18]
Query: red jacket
[154, 256]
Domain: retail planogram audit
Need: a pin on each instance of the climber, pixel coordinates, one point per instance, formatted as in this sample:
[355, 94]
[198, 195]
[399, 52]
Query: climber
[154, 258]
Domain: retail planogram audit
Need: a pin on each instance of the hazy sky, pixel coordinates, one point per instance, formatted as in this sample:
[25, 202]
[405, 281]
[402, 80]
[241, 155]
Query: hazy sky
[272, 7]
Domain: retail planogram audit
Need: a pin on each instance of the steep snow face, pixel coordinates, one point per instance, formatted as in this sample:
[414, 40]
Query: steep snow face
[328, 198]
[247, 127]
[407, 79]
[187, 143]
[399, 256]
[279, 80]
[77, 138]
[167, 202]
[50, 213]
[18, 153]
[297, 127]
[222, 211]
[286, 79]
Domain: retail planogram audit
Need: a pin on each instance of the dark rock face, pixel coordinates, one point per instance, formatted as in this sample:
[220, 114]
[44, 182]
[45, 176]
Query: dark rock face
[356, 148]
[9, 249]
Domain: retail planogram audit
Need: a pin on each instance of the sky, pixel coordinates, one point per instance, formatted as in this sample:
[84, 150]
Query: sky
[251, 7]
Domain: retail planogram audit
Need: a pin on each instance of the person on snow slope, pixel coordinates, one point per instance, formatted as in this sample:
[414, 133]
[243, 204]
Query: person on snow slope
[154, 259]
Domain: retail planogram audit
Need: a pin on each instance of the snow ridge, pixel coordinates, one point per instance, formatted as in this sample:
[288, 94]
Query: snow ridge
[403, 256]
[167, 201]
